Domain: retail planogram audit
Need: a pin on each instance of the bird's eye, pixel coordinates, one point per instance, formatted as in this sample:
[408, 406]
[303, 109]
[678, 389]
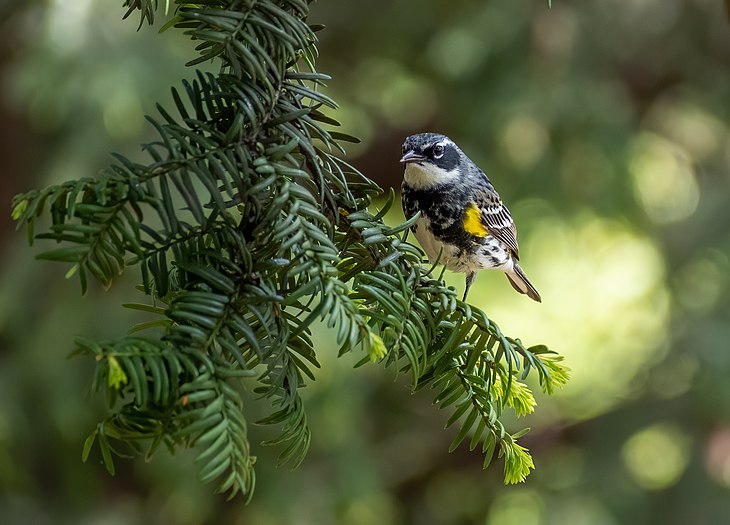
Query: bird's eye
[438, 151]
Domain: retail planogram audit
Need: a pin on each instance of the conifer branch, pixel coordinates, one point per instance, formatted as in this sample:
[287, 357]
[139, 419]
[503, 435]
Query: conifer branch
[248, 228]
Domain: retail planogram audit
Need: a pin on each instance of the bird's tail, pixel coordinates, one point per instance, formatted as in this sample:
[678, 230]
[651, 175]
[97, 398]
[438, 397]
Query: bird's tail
[522, 284]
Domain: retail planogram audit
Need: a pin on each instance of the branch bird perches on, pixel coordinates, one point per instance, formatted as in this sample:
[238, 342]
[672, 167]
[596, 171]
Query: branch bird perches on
[248, 228]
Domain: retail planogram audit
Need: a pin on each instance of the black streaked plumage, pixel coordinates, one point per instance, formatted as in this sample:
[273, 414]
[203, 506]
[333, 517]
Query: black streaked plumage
[463, 223]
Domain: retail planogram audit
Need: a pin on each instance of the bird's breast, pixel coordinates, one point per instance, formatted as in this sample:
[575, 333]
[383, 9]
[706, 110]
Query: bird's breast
[438, 204]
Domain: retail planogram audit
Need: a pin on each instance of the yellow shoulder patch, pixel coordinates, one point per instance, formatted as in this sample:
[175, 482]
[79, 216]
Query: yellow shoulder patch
[473, 221]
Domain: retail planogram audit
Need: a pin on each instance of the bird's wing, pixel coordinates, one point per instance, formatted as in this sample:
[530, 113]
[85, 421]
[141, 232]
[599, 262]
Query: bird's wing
[498, 220]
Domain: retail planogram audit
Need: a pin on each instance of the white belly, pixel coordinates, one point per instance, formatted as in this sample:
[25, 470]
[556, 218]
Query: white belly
[490, 254]
[435, 249]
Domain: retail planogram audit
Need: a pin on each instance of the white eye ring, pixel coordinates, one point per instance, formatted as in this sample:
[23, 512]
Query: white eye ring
[438, 151]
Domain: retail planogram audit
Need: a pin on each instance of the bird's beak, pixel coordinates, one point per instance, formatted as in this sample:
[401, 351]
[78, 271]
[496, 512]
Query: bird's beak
[412, 156]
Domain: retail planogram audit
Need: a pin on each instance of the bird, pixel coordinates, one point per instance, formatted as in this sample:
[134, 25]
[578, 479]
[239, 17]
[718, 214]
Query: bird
[464, 224]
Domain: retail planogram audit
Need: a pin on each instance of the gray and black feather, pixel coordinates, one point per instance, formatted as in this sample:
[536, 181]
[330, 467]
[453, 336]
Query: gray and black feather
[464, 224]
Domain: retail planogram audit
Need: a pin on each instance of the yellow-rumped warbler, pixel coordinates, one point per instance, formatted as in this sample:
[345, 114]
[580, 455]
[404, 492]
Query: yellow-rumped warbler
[463, 224]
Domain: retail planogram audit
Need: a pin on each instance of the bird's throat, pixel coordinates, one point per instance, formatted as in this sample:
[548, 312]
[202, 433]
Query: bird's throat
[425, 175]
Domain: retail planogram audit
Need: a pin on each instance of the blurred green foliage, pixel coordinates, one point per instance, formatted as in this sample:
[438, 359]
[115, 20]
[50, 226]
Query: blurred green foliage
[604, 125]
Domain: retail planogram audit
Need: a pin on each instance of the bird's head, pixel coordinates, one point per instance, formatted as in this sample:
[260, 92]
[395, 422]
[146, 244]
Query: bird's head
[430, 159]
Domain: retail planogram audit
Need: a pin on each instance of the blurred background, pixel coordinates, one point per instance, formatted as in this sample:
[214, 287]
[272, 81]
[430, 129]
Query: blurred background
[603, 124]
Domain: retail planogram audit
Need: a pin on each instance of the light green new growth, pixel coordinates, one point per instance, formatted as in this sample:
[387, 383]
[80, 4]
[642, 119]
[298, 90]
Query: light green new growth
[263, 231]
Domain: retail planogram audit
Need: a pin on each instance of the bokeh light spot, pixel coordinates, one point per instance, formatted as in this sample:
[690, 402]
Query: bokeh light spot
[519, 507]
[717, 456]
[68, 24]
[701, 282]
[402, 99]
[123, 114]
[455, 52]
[605, 306]
[688, 125]
[652, 16]
[664, 179]
[675, 378]
[657, 456]
[581, 509]
[524, 140]
[554, 32]
[370, 509]
[407, 101]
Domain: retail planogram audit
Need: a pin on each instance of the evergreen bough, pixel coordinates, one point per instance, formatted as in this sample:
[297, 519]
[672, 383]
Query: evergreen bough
[248, 228]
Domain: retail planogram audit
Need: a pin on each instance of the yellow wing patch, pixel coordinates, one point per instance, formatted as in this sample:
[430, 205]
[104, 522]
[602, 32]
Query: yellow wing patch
[473, 221]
